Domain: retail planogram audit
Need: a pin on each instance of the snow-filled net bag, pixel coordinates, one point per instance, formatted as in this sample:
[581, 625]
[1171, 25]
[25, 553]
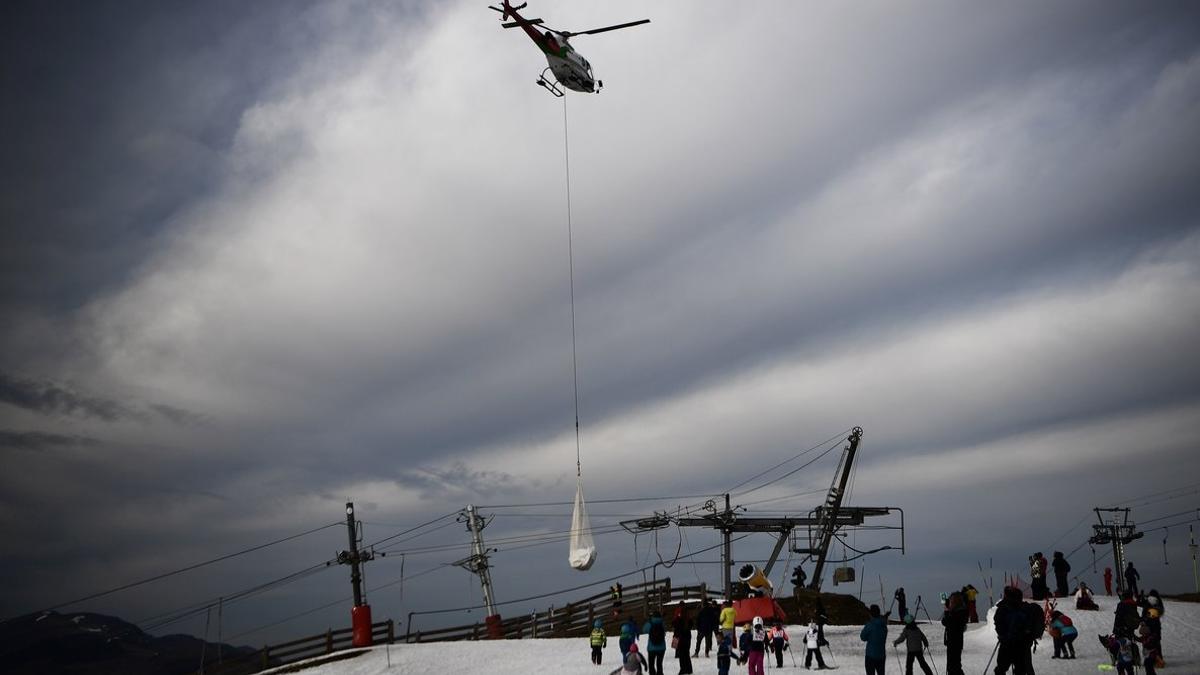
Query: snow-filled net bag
[583, 546]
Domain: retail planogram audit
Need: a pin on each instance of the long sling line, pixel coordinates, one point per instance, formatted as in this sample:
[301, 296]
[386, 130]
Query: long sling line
[571, 274]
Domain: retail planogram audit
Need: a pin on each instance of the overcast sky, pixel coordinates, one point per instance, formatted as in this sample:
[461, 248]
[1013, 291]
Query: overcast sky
[262, 258]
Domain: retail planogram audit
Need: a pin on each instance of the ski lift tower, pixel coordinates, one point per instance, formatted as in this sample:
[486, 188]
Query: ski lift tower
[477, 563]
[1119, 531]
[822, 523]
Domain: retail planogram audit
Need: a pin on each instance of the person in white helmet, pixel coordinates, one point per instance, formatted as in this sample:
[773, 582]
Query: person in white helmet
[758, 647]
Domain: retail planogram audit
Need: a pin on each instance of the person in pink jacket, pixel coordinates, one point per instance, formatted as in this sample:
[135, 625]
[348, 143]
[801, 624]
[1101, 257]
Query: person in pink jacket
[779, 642]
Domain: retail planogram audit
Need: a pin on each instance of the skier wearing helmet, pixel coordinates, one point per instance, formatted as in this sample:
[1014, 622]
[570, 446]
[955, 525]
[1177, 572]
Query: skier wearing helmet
[758, 646]
[598, 641]
[634, 663]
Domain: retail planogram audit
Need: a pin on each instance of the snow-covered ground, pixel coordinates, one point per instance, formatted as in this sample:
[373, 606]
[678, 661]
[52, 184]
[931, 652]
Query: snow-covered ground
[1181, 646]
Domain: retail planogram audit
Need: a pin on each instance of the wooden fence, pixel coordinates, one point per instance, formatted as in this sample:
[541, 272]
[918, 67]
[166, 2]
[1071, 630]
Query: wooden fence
[297, 650]
[573, 619]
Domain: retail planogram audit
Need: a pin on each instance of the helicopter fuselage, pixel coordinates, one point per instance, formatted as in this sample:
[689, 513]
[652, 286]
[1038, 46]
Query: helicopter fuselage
[569, 67]
[572, 70]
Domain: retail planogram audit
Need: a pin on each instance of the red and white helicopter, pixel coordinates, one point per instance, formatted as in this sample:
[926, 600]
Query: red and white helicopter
[568, 66]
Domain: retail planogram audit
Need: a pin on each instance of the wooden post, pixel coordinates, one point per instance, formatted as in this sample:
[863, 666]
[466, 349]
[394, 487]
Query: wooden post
[534, 619]
[704, 591]
[666, 593]
[329, 641]
[266, 660]
[475, 631]
[591, 615]
[391, 631]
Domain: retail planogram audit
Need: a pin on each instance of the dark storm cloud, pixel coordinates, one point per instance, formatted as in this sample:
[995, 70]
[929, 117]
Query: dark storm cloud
[114, 115]
[40, 440]
[48, 398]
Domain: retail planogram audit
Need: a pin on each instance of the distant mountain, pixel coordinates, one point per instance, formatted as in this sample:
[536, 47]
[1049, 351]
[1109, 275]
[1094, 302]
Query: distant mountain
[80, 643]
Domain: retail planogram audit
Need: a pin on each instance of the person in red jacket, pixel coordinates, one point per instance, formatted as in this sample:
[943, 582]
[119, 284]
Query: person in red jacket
[1108, 581]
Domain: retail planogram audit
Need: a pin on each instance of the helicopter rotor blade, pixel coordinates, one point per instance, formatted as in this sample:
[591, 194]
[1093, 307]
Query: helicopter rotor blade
[602, 30]
[518, 24]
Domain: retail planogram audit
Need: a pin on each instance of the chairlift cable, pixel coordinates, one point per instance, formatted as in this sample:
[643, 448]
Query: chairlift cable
[822, 444]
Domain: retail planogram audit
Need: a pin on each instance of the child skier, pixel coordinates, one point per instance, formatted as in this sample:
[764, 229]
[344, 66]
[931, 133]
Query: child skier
[1152, 648]
[598, 641]
[1063, 631]
[724, 653]
[1122, 651]
[779, 642]
[812, 644]
[758, 647]
[634, 663]
[916, 642]
[744, 645]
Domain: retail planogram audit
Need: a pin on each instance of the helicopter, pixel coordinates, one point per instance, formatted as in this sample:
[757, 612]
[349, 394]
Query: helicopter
[567, 66]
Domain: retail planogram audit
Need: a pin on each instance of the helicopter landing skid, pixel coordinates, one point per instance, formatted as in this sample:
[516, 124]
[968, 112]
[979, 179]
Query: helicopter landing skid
[549, 85]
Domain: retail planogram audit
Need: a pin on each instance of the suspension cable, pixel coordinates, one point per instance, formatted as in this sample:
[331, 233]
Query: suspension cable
[571, 275]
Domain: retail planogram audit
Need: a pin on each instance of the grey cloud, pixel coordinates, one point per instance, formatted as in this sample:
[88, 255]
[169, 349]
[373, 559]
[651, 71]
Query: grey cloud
[459, 479]
[40, 440]
[180, 416]
[49, 398]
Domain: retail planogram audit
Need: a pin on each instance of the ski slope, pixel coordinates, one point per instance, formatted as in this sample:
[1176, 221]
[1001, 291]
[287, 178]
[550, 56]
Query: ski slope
[1181, 647]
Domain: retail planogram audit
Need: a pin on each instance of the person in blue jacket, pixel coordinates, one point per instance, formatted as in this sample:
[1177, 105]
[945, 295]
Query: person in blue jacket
[875, 635]
[744, 645]
[656, 643]
[629, 635]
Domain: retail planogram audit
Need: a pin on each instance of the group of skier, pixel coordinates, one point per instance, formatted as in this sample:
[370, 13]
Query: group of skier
[752, 648]
[1136, 637]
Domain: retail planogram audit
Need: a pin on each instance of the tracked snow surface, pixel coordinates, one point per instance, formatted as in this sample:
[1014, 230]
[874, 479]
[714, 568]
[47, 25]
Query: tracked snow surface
[570, 656]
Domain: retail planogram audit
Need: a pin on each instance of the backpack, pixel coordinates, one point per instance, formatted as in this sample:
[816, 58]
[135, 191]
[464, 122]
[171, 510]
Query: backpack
[626, 630]
[1035, 621]
[1124, 651]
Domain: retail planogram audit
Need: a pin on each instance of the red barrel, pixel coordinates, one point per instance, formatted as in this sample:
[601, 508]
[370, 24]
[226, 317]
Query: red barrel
[495, 630]
[360, 619]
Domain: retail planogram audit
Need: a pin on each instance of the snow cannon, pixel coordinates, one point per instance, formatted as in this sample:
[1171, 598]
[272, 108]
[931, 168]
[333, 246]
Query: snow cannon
[760, 603]
[755, 580]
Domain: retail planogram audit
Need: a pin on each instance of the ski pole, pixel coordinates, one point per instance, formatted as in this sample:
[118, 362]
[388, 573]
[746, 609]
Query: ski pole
[899, 666]
[989, 663]
[933, 661]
